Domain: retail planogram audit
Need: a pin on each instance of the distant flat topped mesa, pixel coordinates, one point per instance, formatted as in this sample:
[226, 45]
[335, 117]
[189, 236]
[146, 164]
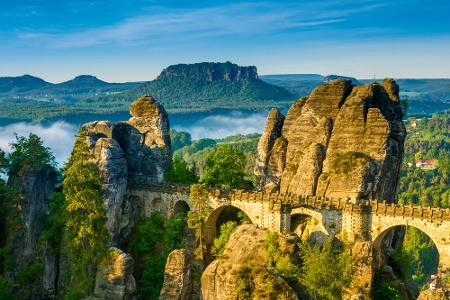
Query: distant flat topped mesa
[211, 71]
[340, 141]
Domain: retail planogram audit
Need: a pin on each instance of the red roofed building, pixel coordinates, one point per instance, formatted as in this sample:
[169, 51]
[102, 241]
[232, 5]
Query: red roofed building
[427, 164]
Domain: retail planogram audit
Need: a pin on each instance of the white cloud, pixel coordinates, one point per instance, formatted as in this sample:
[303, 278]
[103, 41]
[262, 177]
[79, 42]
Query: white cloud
[223, 125]
[59, 136]
[175, 25]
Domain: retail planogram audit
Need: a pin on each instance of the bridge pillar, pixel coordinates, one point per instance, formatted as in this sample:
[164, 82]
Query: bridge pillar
[285, 219]
[356, 228]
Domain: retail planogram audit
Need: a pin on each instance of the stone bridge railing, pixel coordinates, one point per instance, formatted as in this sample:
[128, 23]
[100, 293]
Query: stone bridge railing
[376, 207]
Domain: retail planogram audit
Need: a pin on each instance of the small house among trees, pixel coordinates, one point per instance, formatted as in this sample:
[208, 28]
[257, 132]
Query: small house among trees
[427, 164]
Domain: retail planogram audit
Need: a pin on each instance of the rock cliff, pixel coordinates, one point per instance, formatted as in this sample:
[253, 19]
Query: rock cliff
[114, 280]
[35, 189]
[133, 152]
[340, 141]
[177, 276]
[210, 71]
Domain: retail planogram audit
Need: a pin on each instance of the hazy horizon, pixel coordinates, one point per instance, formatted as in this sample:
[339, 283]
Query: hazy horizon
[268, 74]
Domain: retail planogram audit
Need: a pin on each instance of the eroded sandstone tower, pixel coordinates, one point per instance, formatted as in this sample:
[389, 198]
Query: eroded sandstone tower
[341, 141]
[136, 152]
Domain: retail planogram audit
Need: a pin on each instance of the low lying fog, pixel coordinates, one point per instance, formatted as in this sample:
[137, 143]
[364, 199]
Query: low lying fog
[220, 126]
[59, 136]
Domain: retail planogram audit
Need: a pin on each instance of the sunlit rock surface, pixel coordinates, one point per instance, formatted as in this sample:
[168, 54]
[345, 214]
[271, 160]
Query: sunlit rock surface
[244, 252]
[341, 141]
[134, 152]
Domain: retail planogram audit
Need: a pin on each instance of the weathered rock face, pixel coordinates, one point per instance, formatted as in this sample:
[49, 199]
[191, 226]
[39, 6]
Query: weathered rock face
[145, 140]
[437, 294]
[177, 276]
[341, 141]
[133, 152]
[35, 190]
[114, 278]
[245, 255]
[272, 131]
[211, 71]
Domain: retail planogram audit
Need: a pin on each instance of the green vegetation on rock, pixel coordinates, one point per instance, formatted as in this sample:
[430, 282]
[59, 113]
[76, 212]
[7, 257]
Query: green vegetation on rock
[324, 271]
[346, 162]
[429, 139]
[225, 168]
[28, 155]
[221, 240]
[87, 239]
[151, 241]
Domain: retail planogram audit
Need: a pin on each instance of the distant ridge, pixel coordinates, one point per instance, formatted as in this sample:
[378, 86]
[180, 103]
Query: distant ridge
[208, 85]
[21, 83]
[84, 81]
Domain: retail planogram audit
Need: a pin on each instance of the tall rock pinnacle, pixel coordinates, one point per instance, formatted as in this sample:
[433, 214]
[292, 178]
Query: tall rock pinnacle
[341, 141]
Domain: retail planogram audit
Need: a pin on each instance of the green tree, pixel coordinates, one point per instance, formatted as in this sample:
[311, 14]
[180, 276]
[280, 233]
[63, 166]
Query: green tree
[405, 104]
[179, 139]
[3, 162]
[225, 168]
[219, 243]
[179, 172]
[85, 213]
[6, 290]
[174, 233]
[325, 272]
[54, 221]
[151, 241]
[28, 155]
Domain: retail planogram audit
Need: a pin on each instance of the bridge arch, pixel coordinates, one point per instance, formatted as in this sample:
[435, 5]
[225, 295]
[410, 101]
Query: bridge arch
[438, 232]
[210, 225]
[180, 206]
[392, 242]
[314, 225]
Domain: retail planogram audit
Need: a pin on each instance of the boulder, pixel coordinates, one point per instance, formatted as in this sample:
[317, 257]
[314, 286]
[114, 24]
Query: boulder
[436, 294]
[114, 279]
[243, 261]
[177, 276]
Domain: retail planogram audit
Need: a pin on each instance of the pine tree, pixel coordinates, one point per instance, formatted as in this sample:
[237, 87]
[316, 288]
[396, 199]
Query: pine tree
[85, 213]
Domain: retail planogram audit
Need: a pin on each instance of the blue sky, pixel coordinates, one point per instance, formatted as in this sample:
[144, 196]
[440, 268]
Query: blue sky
[128, 40]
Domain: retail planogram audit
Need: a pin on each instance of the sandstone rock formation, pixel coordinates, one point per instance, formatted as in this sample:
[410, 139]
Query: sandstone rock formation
[437, 294]
[341, 141]
[244, 256]
[211, 71]
[134, 152]
[35, 189]
[272, 131]
[177, 276]
[114, 278]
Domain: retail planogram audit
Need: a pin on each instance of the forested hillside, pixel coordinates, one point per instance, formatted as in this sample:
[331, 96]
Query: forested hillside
[427, 139]
[180, 88]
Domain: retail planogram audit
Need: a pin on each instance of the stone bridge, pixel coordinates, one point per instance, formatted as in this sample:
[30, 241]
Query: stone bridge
[363, 225]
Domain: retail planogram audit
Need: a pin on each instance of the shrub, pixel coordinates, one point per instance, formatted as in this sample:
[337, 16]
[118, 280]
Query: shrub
[325, 272]
[226, 230]
[6, 290]
[28, 154]
[225, 168]
[346, 162]
[386, 291]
